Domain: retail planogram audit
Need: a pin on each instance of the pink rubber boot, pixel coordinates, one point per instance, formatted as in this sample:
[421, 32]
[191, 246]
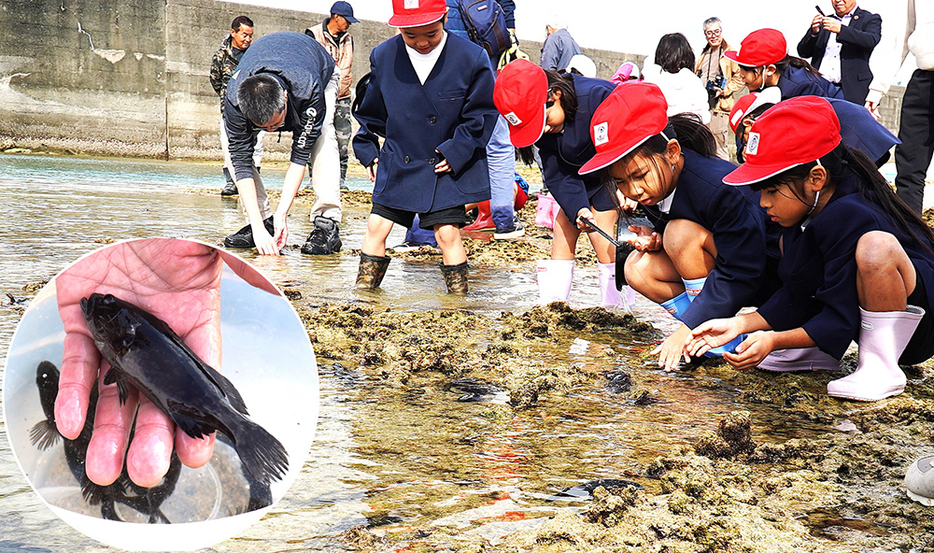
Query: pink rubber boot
[610, 297]
[883, 336]
[554, 280]
[799, 359]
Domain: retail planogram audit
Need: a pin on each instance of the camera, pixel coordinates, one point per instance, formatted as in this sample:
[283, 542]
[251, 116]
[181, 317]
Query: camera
[716, 82]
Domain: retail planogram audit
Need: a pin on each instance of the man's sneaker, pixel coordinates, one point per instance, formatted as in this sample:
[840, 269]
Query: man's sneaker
[324, 239]
[509, 233]
[230, 189]
[243, 238]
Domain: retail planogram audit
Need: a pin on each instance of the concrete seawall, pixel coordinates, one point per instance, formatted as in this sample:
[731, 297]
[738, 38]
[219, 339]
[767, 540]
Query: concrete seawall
[130, 78]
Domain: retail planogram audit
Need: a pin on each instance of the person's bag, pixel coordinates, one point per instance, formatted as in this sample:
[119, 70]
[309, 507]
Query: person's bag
[486, 25]
[512, 53]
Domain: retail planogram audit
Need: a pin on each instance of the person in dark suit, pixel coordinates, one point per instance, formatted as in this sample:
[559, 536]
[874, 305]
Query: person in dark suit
[430, 95]
[840, 46]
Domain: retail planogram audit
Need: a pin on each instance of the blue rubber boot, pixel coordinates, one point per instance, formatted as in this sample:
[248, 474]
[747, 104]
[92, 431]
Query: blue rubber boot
[693, 287]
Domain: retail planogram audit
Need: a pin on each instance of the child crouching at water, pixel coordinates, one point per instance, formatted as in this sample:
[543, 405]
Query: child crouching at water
[857, 263]
[431, 95]
[711, 253]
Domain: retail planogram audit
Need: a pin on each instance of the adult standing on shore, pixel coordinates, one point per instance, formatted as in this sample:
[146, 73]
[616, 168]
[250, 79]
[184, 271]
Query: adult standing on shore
[840, 46]
[334, 35]
[223, 65]
[720, 76]
[559, 46]
[911, 25]
[285, 82]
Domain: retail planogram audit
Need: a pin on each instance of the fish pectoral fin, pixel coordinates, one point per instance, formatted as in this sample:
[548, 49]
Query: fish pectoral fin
[123, 385]
[44, 434]
[227, 387]
[191, 421]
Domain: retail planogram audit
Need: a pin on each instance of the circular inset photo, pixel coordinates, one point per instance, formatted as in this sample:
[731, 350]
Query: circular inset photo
[160, 394]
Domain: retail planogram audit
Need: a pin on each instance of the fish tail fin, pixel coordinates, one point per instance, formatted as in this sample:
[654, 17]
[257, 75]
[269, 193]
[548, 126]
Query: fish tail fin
[44, 434]
[263, 456]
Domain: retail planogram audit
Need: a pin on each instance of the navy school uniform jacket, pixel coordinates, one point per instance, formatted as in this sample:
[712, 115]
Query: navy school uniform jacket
[453, 112]
[564, 153]
[859, 131]
[303, 67]
[744, 240]
[797, 81]
[857, 41]
[818, 270]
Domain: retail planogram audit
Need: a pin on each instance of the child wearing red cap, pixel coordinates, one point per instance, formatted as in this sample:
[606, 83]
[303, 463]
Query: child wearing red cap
[764, 61]
[711, 253]
[553, 112]
[857, 263]
[430, 95]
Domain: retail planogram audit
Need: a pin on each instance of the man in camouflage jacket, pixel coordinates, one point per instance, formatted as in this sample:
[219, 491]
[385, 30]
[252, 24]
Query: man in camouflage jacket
[223, 65]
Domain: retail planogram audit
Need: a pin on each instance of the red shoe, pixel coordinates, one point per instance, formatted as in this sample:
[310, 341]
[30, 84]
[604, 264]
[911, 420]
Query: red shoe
[484, 219]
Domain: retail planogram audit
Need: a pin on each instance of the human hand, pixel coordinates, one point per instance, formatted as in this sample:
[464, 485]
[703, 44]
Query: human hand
[816, 24]
[443, 166]
[873, 108]
[175, 280]
[646, 240]
[625, 203]
[371, 170]
[265, 244]
[281, 224]
[711, 334]
[751, 351]
[832, 24]
[672, 350]
[586, 214]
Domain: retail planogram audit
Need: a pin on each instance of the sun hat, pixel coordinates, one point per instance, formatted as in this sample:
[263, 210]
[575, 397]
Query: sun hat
[584, 65]
[520, 93]
[415, 13]
[750, 102]
[759, 48]
[629, 116]
[345, 10]
[791, 133]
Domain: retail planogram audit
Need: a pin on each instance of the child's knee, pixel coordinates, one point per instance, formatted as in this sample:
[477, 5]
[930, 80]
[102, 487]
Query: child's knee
[878, 249]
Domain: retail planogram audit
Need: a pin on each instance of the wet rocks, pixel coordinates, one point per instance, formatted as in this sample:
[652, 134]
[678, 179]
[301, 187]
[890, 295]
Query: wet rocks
[733, 437]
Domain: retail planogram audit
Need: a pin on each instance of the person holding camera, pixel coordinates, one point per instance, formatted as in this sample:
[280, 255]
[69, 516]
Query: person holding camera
[720, 76]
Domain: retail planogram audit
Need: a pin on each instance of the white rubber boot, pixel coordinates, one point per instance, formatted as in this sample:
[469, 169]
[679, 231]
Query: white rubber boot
[554, 280]
[610, 297]
[799, 359]
[883, 336]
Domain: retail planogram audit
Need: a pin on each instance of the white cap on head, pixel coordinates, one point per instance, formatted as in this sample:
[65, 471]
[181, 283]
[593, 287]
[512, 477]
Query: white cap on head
[584, 65]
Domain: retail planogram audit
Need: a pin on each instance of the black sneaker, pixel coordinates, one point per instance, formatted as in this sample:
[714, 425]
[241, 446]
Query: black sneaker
[324, 239]
[243, 238]
[230, 189]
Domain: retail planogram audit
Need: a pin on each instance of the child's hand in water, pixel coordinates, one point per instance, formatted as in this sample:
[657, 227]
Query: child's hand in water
[672, 350]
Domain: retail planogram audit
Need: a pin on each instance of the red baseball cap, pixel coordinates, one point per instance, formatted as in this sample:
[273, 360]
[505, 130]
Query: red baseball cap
[415, 13]
[630, 115]
[794, 132]
[759, 48]
[748, 103]
[520, 93]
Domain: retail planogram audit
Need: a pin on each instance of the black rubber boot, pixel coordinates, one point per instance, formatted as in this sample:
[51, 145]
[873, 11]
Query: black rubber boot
[243, 238]
[455, 277]
[371, 272]
[229, 189]
[324, 239]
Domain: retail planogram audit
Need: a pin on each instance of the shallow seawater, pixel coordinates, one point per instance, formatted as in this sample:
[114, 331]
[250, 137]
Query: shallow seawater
[385, 456]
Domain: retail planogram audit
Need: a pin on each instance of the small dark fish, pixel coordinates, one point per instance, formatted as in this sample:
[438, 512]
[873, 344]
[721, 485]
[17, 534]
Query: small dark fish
[143, 351]
[44, 434]
[584, 491]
